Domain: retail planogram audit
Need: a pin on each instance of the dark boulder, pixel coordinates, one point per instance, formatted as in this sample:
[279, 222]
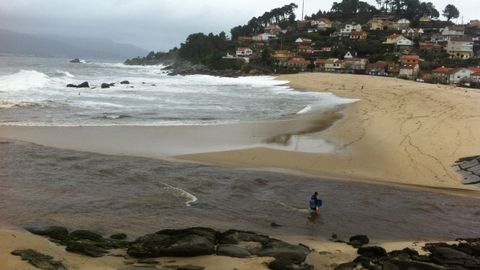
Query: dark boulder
[72, 85]
[275, 225]
[448, 256]
[87, 249]
[39, 260]
[176, 243]
[232, 251]
[118, 236]
[372, 252]
[358, 241]
[267, 247]
[83, 85]
[105, 85]
[53, 232]
[85, 235]
[346, 266]
[124, 82]
[188, 267]
[75, 61]
[410, 265]
[286, 263]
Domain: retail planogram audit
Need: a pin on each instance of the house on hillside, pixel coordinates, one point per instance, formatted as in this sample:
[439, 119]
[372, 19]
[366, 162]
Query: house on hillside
[321, 24]
[282, 56]
[377, 69]
[452, 31]
[403, 45]
[409, 71]
[244, 52]
[460, 75]
[410, 59]
[273, 29]
[403, 24]
[350, 27]
[320, 64]
[355, 65]
[382, 23]
[264, 37]
[334, 65]
[430, 47]
[303, 41]
[425, 19]
[413, 32]
[441, 75]
[358, 35]
[460, 47]
[298, 63]
[392, 39]
[305, 49]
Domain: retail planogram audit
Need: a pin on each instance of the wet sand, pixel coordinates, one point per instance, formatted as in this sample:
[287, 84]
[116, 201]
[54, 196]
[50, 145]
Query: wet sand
[399, 132]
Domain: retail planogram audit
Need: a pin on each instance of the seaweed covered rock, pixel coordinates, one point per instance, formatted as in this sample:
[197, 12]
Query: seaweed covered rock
[358, 241]
[39, 260]
[53, 232]
[87, 249]
[177, 243]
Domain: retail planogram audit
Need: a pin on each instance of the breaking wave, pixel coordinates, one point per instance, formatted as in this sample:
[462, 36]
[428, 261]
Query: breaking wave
[23, 80]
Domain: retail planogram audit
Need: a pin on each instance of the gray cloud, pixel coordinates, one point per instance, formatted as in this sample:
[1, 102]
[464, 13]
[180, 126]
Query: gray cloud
[152, 24]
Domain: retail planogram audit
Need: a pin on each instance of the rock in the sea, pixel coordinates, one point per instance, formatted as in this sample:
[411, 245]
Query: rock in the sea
[176, 243]
[358, 241]
[105, 85]
[53, 232]
[72, 85]
[83, 85]
[86, 249]
[75, 61]
[39, 260]
[85, 235]
[124, 82]
[232, 251]
[118, 236]
[275, 225]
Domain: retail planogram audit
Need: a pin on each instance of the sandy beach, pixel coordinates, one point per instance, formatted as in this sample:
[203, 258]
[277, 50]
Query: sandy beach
[400, 132]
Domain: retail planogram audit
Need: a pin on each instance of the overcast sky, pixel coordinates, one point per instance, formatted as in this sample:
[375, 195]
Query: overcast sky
[154, 24]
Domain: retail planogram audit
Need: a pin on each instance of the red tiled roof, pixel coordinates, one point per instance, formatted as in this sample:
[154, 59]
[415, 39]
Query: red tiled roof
[441, 70]
[299, 62]
[243, 49]
[475, 69]
[410, 57]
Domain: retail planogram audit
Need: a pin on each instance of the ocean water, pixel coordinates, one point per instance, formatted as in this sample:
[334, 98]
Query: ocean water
[33, 92]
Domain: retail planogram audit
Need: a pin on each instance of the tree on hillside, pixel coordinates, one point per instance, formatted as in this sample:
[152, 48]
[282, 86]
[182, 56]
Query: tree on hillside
[283, 16]
[450, 12]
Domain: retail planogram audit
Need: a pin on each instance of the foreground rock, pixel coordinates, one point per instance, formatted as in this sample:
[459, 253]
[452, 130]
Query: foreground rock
[39, 260]
[176, 243]
[53, 232]
[469, 169]
[358, 241]
[462, 256]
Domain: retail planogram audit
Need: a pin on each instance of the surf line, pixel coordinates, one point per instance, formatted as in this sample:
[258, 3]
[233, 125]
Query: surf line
[189, 196]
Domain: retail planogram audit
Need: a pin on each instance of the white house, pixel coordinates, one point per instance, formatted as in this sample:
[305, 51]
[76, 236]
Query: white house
[409, 70]
[403, 24]
[460, 47]
[264, 37]
[458, 75]
[244, 52]
[404, 42]
[348, 55]
[322, 23]
[304, 41]
[348, 28]
[452, 31]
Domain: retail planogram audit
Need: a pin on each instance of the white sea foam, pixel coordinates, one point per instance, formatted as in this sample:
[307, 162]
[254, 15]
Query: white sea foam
[190, 198]
[62, 73]
[23, 80]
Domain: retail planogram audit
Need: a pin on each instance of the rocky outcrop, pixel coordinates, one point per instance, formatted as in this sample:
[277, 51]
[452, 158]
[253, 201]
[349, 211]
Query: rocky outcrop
[187, 68]
[82, 85]
[176, 243]
[465, 256]
[53, 232]
[124, 82]
[75, 61]
[39, 260]
[469, 169]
